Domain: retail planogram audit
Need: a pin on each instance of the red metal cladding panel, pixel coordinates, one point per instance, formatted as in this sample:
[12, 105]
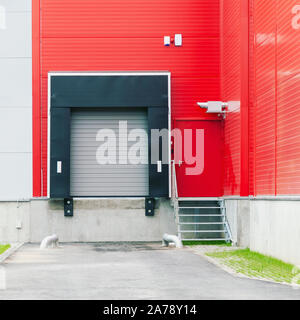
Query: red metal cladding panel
[114, 35]
[130, 18]
[264, 18]
[44, 158]
[288, 123]
[186, 92]
[288, 39]
[288, 117]
[277, 60]
[196, 58]
[231, 91]
[44, 95]
[36, 111]
[265, 118]
[265, 66]
[232, 153]
[265, 144]
[251, 99]
[265, 33]
[265, 115]
[265, 169]
[265, 97]
[244, 191]
[288, 136]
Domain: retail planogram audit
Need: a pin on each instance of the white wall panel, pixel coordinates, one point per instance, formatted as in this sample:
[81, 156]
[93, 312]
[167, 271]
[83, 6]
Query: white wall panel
[15, 37]
[15, 82]
[16, 5]
[15, 130]
[15, 173]
[15, 100]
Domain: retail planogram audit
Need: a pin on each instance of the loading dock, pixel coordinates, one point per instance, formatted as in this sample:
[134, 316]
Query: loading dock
[142, 99]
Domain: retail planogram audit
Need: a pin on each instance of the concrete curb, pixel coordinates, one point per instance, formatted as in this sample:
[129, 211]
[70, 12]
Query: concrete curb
[14, 247]
[234, 273]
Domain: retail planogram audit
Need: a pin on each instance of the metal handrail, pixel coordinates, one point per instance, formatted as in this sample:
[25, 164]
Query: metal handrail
[174, 182]
[175, 194]
[225, 219]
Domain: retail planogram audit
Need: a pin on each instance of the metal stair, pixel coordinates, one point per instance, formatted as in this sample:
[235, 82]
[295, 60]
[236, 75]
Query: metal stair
[199, 219]
[202, 220]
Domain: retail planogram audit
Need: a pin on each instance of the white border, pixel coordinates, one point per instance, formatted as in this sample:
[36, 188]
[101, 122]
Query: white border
[110, 73]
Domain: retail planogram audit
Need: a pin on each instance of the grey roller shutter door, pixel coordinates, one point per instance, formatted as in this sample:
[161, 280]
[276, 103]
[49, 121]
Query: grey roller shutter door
[87, 176]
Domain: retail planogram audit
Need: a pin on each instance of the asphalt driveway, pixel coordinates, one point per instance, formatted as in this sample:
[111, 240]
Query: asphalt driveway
[126, 271]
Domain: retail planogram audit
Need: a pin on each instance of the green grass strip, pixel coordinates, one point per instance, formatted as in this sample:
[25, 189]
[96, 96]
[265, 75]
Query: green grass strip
[4, 247]
[254, 264]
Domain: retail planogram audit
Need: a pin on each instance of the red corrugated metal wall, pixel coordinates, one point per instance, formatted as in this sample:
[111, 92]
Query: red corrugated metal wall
[273, 146]
[288, 101]
[114, 35]
[251, 99]
[277, 105]
[231, 91]
[265, 106]
[262, 127]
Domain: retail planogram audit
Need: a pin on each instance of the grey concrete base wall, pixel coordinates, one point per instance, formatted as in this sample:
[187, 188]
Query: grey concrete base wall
[271, 227]
[238, 215]
[12, 216]
[112, 219]
[275, 229]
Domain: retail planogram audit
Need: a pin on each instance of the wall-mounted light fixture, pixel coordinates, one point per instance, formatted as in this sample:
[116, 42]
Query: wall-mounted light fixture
[214, 107]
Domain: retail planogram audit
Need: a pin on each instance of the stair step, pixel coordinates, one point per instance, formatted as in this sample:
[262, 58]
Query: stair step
[199, 207]
[199, 199]
[201, 231]
[193, 203]
[207, 239]
[201, 215]
[201, 223]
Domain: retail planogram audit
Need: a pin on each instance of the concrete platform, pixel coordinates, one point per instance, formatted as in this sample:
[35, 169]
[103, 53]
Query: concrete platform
[94, 220]
[126, 271]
